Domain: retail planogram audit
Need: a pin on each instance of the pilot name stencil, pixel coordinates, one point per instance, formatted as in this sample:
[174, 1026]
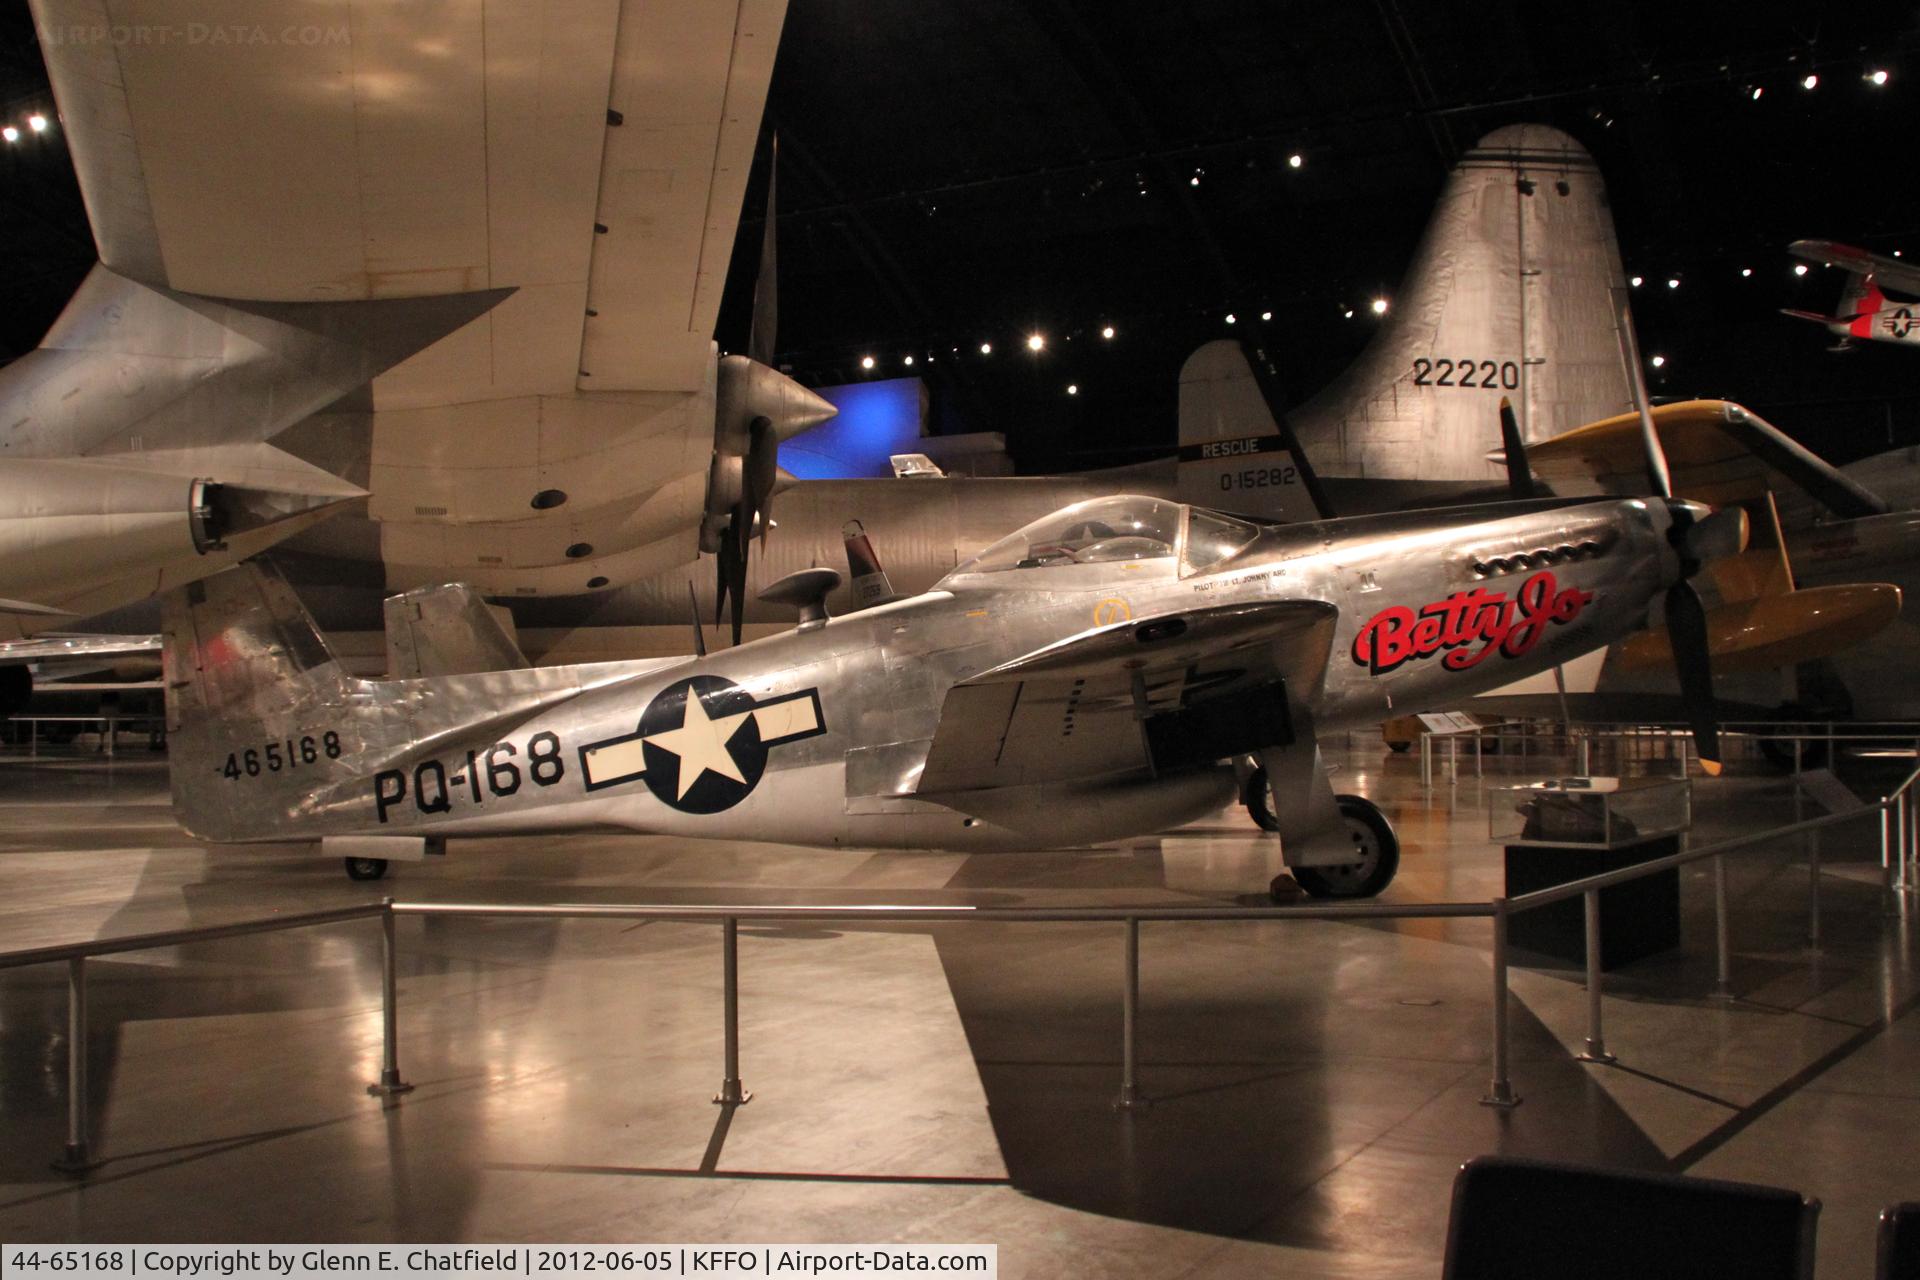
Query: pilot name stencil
[1511, 626]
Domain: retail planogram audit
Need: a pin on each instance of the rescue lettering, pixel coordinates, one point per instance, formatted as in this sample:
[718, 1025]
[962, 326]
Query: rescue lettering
[1491, 620]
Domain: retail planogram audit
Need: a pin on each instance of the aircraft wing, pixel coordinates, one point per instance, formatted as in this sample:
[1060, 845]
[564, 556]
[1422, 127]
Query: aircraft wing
[1718, 452]
[590, 154]
[588, 158]
[1889, 273]
[60, 657]
[1171, 690]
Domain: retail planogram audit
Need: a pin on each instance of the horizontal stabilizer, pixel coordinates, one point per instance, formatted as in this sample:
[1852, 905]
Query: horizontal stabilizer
[1816, 317]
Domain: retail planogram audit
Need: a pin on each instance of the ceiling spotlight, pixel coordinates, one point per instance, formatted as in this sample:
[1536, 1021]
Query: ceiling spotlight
[908, 362]
[866, 362]
[37, 122]
[1757, 91]
[1799, 268]
[1673, 282]
[1658, 362]
[1877, 77]
[1379, 306]
[1266, 315]
[1035, 342]
[1811, 81]
[1745, 272]
[1295, 160]
[1194, 181]
[1232, 318]
[1348, 313]
[986, 348]
[1106, 331]
[1073, 388]
[10, 133]
[1636, 282]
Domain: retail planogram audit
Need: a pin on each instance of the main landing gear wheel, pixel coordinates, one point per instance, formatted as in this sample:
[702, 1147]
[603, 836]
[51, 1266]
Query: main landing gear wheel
[366, 868]
[1376, 855]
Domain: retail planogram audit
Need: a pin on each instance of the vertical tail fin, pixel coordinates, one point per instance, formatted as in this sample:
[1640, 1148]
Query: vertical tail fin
[870, 583]
[1234, 452]
[263, 722]
[448, 631]
[1509, 294]
[1861, 303]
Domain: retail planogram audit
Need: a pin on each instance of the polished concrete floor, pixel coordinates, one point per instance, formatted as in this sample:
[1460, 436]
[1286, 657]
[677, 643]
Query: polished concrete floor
[1314, 1085]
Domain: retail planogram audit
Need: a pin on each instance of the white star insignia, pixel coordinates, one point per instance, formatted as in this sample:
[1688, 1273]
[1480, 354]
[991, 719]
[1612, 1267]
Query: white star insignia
[701, 743]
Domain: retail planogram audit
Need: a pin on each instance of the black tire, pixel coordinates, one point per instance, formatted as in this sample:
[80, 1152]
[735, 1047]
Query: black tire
[366, 868]
[1377, 851]
[1258, 798]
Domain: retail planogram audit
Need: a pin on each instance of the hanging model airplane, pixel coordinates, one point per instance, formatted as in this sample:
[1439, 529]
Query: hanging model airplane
[1866, 313]
[1084, 678]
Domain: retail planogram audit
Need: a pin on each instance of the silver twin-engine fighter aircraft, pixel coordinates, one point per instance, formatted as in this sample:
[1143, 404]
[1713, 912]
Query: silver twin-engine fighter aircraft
[1088, 677]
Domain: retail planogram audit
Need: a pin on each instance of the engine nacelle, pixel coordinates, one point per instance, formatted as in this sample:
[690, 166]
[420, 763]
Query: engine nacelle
[70, 530]
[748, 390]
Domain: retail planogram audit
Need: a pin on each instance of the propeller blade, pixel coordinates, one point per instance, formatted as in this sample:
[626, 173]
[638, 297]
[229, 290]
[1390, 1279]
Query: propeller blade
[1687, 634]
[1659, 478]
[1519, 472]
[766, 291]
[732, 570]
[699, 636]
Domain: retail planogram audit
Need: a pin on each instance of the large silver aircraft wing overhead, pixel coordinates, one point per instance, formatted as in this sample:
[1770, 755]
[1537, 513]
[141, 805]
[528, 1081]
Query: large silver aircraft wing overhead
[1889, 273]
[590, 154]
[1126, 696]
[587, 157]
[1718, 453]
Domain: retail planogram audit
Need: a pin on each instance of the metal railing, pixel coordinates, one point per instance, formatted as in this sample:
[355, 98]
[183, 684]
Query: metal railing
[1795, 736]
[1899, 825]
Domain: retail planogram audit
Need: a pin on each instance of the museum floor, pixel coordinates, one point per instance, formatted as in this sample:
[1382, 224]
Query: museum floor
[1314, 1085]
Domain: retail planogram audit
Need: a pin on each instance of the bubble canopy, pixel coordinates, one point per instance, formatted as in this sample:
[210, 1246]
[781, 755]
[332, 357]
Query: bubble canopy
[1126, 527]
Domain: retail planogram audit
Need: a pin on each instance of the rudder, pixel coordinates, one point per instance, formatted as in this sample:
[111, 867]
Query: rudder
[260, 713]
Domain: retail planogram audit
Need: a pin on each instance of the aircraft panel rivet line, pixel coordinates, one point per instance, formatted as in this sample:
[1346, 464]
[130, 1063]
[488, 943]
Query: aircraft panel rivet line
[1596, 1050]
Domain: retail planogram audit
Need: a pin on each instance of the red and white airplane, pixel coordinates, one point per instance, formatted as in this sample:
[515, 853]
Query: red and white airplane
[1866, 313]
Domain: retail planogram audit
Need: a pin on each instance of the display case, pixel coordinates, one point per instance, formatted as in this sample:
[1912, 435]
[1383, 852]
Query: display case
[1589, 813]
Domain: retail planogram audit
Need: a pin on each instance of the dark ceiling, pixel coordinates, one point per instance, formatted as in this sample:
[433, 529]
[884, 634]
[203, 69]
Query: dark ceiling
[953, 173]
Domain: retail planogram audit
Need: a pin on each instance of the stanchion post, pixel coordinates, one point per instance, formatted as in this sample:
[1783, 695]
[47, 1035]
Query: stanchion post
[1886, 850]
[1130, 1099]
[1903, 839]
[77, 1160]
[1596, 1050]
[1722, 943]
[1813, 890]
[1500, 1092]
[390, 1084]
[731, 1094]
